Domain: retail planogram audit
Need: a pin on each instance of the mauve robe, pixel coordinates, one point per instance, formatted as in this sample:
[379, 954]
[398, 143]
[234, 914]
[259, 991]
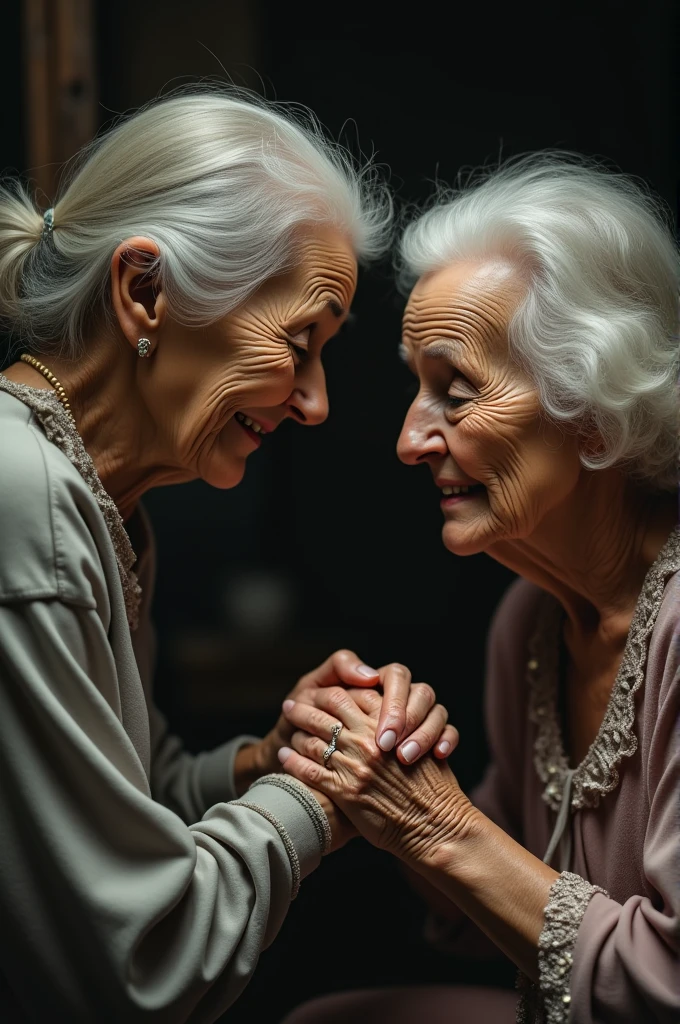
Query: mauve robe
[627, 953]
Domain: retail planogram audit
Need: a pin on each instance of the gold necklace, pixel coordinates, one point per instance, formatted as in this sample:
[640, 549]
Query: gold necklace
[49, 376]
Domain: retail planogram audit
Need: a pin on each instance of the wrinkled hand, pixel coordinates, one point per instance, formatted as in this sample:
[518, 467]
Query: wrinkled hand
[407, 810]
[407, 714]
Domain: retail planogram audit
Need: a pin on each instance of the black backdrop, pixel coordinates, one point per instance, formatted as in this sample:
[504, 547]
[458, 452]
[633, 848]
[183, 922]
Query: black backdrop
[336, 543]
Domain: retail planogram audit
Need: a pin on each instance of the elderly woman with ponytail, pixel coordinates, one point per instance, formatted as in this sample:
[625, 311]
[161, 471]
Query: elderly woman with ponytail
[173, 305]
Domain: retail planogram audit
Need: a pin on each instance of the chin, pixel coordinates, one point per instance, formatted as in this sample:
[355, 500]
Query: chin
[464, 540]
[224, 475]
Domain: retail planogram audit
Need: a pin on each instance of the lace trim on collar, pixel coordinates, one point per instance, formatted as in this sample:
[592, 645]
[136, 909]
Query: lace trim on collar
[59, 429]
[597, 774]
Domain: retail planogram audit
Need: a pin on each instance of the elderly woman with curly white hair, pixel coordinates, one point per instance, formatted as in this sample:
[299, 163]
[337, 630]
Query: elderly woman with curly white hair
[543, 330]
[173, 307]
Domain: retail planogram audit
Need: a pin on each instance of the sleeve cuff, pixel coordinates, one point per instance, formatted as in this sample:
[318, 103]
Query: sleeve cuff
[216, 770]
[298, 817]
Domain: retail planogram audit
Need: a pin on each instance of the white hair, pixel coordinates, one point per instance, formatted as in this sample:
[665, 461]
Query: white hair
[219, 178]
[598, 326]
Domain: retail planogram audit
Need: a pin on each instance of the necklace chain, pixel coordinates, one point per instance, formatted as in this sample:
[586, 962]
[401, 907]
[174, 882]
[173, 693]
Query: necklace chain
[51, 379]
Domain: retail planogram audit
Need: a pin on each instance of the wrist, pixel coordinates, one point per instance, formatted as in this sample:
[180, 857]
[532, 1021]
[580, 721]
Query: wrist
[249, 766]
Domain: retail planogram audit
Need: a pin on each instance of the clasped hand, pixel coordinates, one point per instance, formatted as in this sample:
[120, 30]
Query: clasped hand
[403, 808]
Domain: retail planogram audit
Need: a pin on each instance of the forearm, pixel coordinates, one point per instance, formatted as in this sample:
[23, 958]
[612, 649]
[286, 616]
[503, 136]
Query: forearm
[435, 899]
[493, 880]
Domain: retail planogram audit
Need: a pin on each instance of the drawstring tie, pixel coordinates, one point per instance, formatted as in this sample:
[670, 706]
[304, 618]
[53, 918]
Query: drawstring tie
[562, 831]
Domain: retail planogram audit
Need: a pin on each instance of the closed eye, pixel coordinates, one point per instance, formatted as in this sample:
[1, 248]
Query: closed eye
[299, 343]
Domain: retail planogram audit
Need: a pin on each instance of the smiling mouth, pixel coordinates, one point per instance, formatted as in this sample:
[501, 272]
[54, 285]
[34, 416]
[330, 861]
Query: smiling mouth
[251, 424]
[452, 495]
[252, 428]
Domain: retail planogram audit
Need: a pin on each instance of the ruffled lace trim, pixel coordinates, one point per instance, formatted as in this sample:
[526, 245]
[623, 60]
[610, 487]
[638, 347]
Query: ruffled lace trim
[598, 773]
[549, 1001]
[60, 430]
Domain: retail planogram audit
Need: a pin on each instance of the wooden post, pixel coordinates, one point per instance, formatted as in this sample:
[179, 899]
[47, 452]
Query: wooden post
[60, 85]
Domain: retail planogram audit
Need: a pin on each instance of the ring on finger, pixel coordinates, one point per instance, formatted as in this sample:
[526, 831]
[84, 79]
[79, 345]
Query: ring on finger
[332, 746]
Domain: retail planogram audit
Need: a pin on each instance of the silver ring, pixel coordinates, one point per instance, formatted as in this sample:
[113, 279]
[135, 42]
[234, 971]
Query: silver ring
[332, 746]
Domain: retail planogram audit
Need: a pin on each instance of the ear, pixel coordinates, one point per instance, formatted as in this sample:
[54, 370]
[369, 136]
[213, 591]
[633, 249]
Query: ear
[136, 295]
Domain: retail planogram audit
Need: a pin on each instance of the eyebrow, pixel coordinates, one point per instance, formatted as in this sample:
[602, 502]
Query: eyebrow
[336, 309]
[442, 350]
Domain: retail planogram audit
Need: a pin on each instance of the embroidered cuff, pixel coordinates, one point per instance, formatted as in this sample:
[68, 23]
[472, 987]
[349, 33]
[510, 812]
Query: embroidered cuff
[302, 794]
[567, 902]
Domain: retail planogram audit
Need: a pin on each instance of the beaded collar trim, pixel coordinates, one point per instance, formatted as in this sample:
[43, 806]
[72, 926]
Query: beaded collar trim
[597, 774]
[61, 431]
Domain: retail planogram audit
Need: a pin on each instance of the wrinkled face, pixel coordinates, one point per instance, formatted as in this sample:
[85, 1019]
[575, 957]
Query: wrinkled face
[501, 467]
[232, 383]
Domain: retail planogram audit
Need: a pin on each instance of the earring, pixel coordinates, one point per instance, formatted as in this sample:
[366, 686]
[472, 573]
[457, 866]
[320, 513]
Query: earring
[144, 348]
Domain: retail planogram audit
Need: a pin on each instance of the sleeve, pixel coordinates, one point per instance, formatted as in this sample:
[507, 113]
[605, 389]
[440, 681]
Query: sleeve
[191, 783]
[186, 783]
[626, 956]
[116, 909]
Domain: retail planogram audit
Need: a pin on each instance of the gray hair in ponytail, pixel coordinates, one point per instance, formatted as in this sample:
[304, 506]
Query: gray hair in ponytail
[219, 178]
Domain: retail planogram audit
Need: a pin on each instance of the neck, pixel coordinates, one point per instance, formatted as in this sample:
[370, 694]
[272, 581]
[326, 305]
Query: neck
[593, 551]
[111, 418]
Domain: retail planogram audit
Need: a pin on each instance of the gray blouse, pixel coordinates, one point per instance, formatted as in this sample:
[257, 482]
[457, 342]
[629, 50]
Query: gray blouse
[133, 884]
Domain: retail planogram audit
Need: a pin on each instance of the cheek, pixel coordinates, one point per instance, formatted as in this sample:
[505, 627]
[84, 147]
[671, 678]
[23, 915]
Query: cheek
[261, 374]
[526, 464]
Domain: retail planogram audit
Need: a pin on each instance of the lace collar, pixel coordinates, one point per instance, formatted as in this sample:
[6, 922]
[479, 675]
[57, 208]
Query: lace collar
[597, 774]
[59, 429]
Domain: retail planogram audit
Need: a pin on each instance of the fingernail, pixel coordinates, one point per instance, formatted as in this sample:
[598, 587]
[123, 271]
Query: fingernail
[283, 754]
[410, 751]
[444, 748]
[288, 705]
[387, 740]
[365, 670]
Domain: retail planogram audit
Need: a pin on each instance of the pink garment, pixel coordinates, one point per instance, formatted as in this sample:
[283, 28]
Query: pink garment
[434, 1004]
[626, 959]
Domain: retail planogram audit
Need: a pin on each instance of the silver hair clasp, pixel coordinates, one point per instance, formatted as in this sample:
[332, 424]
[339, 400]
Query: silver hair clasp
[48, 224]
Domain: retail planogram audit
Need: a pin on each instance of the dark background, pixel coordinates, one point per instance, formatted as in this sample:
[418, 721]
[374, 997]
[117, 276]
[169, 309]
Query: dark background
[330, 542]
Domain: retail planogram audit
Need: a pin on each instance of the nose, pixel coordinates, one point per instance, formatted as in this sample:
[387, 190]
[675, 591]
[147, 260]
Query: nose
[420, 439]
[308, 401]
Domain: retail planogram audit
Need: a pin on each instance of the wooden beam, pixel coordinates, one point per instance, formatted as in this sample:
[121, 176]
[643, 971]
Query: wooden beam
[60, 85]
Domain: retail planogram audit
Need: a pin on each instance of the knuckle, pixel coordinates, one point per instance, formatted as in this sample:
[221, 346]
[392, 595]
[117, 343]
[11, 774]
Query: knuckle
[337, 697]
[397, 669]
[370, 751]
[314, 773]
[426, 691]
[316, 719]
[344, 654]
[441, 710]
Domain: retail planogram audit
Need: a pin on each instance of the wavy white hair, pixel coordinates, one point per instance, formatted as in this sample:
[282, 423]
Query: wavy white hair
[219, 178]
[598, 326]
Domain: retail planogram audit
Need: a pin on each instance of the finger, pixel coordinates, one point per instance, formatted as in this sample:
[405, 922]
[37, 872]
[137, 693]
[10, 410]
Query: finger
[310, 747]
[447, 742]
[341, 708]
[309, 772]
[370, 701]
[425, 736]
[396, 684]
[344, 667]
[421, 700]
[310, 719]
